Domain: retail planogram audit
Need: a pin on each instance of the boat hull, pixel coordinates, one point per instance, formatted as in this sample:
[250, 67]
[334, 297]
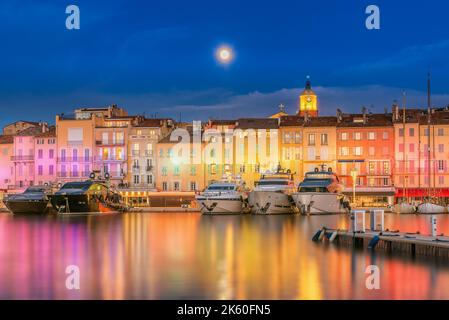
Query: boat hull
[404, 208]
[74, 204]
[27, 206]
[320, 203]
[216, 205]
[431, 208]
[271, 202]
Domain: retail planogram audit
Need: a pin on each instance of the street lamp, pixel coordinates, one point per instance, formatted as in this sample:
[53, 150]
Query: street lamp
[354, 180]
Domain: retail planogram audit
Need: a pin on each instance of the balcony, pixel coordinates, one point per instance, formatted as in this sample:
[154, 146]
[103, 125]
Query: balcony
[136, 168]
[76, 159]
[149, 168]
[135, 153]
[149, 153]
[110, 159]
[74, 174]
[110, 143]
[22, 158]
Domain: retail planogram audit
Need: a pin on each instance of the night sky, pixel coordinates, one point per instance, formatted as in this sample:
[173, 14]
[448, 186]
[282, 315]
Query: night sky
[157, 57]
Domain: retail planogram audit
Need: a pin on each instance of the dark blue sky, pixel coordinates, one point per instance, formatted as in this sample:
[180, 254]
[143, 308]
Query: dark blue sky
[158, 56]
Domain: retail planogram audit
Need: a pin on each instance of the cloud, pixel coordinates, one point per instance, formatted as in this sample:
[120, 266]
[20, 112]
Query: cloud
[216, 103]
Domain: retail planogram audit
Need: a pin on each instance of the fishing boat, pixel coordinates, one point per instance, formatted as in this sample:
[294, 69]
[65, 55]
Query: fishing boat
[87, 197]
[34, 200]
[223, 197]
[321, 193]
[273, 193]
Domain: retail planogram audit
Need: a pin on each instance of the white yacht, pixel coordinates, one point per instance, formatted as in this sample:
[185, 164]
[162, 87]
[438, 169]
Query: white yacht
[428, 207]
[272, 194]
[224, 197]
[321, 193]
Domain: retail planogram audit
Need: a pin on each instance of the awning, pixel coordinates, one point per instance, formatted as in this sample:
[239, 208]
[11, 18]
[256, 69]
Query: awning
[421, 192]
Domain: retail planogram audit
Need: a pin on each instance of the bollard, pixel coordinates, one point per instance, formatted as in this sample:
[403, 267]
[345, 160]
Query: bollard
[359, 220]
[433, 225]
[377, 220]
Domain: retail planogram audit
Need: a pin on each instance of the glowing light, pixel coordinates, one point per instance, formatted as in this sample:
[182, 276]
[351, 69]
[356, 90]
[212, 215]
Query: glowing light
[224, 54]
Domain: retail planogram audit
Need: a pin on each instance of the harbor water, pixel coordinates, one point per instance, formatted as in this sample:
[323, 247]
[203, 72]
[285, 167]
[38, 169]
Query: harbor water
[192, 256]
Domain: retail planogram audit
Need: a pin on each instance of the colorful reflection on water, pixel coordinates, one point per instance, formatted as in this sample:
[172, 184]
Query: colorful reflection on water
[189, 256]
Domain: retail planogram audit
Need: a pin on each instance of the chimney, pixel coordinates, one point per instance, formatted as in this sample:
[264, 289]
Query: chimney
[44, 126]
[306, 117]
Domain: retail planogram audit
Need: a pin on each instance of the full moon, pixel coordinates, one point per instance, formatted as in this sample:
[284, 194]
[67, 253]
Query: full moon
[224, 54]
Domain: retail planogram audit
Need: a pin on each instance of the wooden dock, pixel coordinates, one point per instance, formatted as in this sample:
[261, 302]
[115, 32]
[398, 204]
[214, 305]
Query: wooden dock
[387, 241]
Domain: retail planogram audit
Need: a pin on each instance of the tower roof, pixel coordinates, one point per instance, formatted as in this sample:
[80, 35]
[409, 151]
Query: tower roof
[308, 88]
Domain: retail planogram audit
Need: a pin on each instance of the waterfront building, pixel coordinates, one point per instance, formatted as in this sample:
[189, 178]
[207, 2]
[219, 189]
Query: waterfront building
[111, 147]
[365, 156]
[6, 165]
[45, 154]
[319, 143]
[143, 137]
[76, 142]
[25, 150]
[413, 180]
[291, 145]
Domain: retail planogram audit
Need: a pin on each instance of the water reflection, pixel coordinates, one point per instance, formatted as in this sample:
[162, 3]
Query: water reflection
[176, 256]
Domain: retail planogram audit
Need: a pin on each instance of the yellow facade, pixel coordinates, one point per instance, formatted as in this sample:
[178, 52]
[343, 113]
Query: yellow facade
[308, 101]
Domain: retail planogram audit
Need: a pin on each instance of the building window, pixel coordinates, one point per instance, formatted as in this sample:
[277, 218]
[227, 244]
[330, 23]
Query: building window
[311, 139]
[385, 135]
[386, 182]
[164, 186]
[401, 132]
[371, 167]
[176, 186]
[411, 147]
[242, 168]
[357, 136]
[441, 180]
[386, 167]
[324, 139]
[136, 179]
[192, 186]
[286, 137]
[344, 151]
[51, 169]
[149, 179]
[426, 132]
[401, 147]
[40, 154]
[411, 132]
[441, 148]
[440, 132]
[40, 170]
[176, 170]
[297, 137]
[371, 135]
[441, 165]
[193, 171]
[257, 168]
[164, 171]
[358, 151]
[344, 136]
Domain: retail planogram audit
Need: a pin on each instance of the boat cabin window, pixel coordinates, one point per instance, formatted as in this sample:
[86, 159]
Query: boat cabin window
[35, 189]
[273, 182]
[76, 185]
[221, 188]
[313, 189]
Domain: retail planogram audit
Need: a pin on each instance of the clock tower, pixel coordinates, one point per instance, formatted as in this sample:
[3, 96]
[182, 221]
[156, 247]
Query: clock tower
[308, 102]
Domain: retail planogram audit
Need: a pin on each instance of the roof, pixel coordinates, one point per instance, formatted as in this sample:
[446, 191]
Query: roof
[371, 120]
[222, 122]
[291, 121]
[6, 139]
[151, 122]
[257, 123]
[321, 122]
[24, 121]
[51, 133]
[437, 116]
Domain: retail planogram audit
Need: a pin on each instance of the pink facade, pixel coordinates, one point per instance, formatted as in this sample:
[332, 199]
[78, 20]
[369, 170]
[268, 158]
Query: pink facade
[6, 168]
[45, 154]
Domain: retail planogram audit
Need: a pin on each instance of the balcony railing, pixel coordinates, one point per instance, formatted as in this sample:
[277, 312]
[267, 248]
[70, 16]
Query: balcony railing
[76, 159]
[110, 143]
[73, 174]
[22, 158]
[149, 153]
[135, 153]
[136, 168]
[101, 159]
[149, 168]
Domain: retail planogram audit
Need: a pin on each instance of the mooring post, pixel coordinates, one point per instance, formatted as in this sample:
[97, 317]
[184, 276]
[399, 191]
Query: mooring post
[359, 220]
[433, 225]
[377, 220]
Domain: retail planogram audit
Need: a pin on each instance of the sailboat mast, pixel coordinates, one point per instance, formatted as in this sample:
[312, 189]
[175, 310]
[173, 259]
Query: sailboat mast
[428, 136]
[404, 162]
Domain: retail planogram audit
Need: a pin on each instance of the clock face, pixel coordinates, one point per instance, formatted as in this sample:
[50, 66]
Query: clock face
[309, 99]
